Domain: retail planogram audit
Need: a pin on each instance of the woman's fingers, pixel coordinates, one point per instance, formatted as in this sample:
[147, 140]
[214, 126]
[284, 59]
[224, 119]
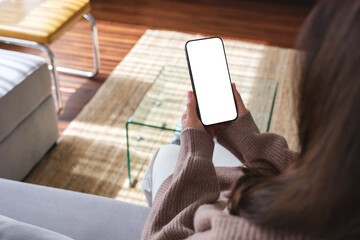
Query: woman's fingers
[239, 102]
[183, 117]
[191, 105]
[190, 117]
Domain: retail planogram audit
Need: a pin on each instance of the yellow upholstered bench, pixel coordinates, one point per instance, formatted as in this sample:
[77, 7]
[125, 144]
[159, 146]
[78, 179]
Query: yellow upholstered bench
[37, 23]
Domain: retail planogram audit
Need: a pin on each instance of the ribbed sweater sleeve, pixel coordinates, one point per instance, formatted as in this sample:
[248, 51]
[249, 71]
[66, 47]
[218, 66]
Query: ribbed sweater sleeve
[267, 151]
[193, 184]
[196, 183]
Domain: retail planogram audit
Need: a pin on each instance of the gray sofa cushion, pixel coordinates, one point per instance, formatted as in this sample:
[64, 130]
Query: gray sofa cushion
[11, 229]
[77, 215]
[24, 83]
[29, 141]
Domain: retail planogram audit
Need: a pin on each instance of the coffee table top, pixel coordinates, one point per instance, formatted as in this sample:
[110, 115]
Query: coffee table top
[163, 104]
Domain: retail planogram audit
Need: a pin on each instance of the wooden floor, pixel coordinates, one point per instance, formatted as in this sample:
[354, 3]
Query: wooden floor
[122, 22]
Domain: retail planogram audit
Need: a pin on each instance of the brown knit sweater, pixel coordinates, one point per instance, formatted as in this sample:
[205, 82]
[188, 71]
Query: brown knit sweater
[191, 203]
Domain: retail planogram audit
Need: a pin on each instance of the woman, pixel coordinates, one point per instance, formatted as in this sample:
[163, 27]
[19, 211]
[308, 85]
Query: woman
[278, 194]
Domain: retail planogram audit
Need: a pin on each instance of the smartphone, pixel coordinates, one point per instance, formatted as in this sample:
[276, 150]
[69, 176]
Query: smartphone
[210, 79]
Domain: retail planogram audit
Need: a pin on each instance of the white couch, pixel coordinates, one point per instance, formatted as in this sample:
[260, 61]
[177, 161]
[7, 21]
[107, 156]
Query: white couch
[28, 121]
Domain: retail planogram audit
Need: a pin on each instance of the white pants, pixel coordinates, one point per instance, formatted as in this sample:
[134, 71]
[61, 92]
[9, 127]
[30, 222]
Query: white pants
[163, 163]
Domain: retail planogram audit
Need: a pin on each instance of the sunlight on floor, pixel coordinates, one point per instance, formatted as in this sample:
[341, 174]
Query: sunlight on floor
[92, 155]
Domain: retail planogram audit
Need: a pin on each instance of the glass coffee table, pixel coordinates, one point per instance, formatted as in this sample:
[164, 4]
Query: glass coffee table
[157, 117]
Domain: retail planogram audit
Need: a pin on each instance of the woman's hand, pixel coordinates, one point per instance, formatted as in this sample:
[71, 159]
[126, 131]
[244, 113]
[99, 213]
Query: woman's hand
[213, 130]
[191, 119]
[239, 102]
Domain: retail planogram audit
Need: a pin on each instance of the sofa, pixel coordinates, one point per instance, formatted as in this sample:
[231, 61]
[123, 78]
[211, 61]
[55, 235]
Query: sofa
[28, 129]
[28, 120]
[71, 214]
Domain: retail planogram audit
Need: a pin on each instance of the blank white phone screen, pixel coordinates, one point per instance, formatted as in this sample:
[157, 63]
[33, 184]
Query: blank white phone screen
[211, 80]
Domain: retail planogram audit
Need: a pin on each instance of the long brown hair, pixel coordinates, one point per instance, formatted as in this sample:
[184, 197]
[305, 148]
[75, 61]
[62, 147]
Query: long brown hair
[319, 195]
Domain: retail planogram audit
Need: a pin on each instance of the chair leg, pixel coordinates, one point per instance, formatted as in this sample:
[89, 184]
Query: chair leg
[44, 48]
[95, 41]
[96, 55]
[53, 68]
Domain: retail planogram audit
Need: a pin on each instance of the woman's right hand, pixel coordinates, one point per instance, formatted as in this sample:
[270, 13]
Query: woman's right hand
[239, 102]
[213, 130]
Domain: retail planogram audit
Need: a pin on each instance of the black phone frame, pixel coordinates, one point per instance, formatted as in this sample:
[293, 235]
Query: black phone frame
[192, 80]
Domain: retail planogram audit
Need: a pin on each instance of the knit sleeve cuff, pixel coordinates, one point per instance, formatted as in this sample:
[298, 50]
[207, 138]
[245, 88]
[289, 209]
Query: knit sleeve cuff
[197, 142]
[243, 126]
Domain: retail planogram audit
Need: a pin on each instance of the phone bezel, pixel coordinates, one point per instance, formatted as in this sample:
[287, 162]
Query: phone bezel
[192, 80]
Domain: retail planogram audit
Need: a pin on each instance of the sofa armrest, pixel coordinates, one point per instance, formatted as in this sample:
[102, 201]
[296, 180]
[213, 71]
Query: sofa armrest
[77, 215]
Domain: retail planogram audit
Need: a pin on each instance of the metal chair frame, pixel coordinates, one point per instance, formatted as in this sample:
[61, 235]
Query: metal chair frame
[52, 66]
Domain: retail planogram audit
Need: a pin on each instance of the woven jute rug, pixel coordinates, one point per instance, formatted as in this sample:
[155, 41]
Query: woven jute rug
[91, 155]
